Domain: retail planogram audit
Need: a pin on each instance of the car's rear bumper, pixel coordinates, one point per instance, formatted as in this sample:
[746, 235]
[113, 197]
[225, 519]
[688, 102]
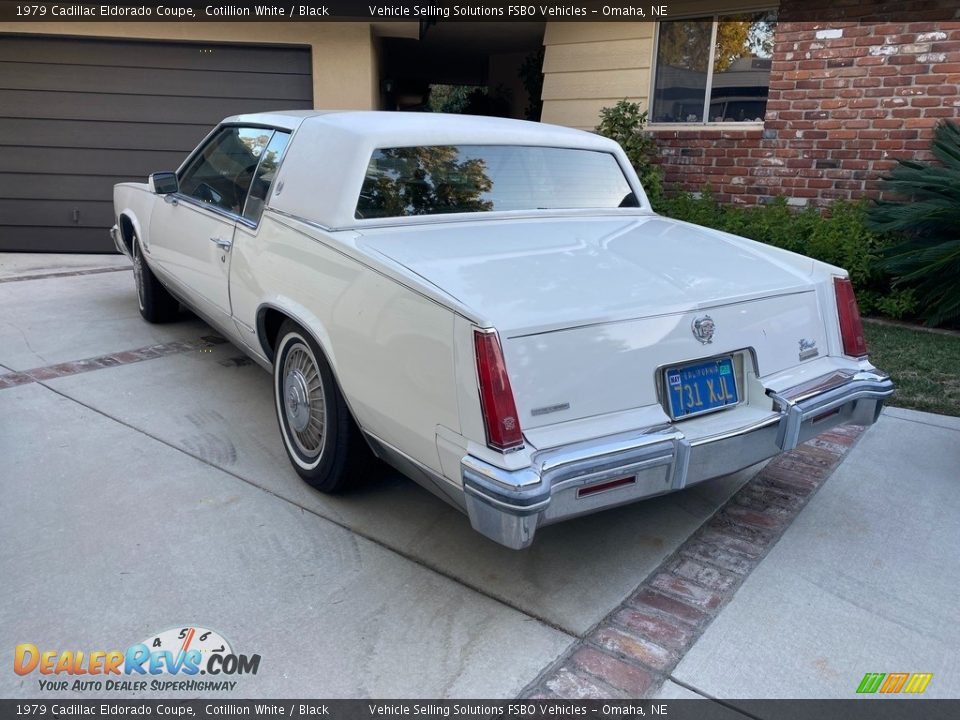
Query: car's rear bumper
[508, 506]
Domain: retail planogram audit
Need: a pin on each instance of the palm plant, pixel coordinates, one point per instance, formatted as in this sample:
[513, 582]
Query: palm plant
[928, 220]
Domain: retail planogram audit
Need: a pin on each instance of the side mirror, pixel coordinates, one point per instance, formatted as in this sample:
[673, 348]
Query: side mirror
[163, 183]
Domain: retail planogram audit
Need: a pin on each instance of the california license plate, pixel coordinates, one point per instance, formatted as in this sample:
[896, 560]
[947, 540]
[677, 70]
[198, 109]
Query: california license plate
[701, 387]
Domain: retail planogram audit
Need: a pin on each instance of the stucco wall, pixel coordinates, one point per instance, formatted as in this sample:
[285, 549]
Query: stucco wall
[345, 73]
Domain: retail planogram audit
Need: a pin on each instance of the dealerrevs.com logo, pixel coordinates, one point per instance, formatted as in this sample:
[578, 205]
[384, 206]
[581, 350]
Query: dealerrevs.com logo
[168, 661]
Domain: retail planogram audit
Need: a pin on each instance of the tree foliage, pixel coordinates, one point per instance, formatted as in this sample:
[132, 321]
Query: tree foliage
[424, 180]
[686, 43]
[928, 221]
[624, 123]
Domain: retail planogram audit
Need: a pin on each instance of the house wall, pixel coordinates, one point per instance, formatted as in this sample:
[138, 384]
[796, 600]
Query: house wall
[344, 55]
[847, 100]
[589, 66]
[848, 97]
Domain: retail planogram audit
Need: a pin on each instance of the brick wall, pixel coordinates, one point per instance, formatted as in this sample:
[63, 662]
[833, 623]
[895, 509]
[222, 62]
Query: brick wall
[847, 98]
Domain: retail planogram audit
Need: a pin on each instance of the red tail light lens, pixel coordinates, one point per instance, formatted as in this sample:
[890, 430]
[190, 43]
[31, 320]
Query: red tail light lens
[851, 329]
[496, 396]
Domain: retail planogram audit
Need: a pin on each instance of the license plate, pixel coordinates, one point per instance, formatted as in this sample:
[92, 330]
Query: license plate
[701, 387]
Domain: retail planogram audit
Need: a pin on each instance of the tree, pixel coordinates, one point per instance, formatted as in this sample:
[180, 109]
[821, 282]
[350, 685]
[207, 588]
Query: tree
[686, 43]
[424, 181]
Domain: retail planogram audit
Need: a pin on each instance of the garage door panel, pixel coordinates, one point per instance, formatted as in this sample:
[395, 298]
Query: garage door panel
[26, 186]
[184, 56]
[56, 213]
[85, 161]
[57, 239]
[100, 134]
[204, 112]
[79, 115]
[137, 81]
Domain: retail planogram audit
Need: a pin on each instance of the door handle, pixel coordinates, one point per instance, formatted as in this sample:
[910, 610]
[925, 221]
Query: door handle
[221, 243]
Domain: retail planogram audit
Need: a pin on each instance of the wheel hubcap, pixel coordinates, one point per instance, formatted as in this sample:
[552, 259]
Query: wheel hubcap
[303, 401]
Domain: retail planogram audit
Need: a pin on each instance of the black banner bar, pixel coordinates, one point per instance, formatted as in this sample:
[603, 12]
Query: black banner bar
[426, 11]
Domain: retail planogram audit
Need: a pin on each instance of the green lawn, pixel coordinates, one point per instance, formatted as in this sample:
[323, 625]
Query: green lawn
[925, 366]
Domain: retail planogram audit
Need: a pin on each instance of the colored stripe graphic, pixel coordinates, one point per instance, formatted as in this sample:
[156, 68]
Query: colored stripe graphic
[918, 682]
[894, 682]
[870, 682]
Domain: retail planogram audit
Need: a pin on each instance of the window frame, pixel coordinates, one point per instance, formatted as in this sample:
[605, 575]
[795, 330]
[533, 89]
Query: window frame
[708, 90]
[217, 210]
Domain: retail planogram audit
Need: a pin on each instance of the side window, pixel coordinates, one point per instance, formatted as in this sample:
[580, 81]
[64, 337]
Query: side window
[221, 173]
[260, 188]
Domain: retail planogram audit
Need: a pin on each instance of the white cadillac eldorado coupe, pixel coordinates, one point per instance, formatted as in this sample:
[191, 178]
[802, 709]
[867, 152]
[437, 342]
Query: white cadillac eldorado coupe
[493, 308]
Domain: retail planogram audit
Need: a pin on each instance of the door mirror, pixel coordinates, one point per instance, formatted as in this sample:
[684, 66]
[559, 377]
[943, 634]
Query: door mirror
[163, 183]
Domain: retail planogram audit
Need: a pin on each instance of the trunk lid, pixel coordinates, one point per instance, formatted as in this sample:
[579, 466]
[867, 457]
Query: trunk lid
[588, 309]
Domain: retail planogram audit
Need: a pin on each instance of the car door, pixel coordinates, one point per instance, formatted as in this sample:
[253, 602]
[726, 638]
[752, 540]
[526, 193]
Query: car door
[192, 231]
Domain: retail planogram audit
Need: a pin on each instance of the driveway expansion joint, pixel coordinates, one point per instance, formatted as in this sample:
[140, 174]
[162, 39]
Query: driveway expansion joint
[635, 649]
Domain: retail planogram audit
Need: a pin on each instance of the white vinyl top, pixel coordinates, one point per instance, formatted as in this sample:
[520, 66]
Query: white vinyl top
[325, 164]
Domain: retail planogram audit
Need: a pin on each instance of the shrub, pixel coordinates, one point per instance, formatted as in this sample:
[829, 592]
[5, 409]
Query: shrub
[841, 238]
[928, 223]
[624, 123]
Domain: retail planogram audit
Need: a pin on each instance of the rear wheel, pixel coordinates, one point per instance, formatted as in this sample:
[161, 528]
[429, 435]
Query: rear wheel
[156, 304]
[322, 441]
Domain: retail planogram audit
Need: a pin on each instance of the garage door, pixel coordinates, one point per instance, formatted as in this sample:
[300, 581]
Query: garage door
[77, 116]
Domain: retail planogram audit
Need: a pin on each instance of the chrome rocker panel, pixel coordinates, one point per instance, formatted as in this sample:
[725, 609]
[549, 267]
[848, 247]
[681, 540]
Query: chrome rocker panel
[508, 506]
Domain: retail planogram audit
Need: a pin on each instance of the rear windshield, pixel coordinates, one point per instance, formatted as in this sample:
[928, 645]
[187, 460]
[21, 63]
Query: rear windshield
[438, 179]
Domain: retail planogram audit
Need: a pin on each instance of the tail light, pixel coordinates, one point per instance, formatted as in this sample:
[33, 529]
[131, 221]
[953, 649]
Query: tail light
[496, 396]
[851, 329]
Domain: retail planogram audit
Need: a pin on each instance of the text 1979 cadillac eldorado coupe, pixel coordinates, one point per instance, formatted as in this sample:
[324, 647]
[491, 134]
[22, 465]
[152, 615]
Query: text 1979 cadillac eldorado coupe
[493, 308]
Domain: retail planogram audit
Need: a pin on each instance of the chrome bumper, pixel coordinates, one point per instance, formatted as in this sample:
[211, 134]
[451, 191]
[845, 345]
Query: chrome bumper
[117, 240]
[508, 506]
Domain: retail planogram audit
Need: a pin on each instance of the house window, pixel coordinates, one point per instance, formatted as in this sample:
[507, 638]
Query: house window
[714, 68]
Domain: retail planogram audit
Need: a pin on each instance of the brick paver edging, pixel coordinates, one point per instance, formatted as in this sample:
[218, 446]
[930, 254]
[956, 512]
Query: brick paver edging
[65, 273]
[633, 650]
[75, 367]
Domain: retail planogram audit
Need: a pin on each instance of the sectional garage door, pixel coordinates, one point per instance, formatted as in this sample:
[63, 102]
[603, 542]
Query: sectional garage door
[77, 116]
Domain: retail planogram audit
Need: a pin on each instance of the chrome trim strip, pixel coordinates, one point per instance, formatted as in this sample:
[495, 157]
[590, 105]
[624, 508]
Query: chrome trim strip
[681, 465]
[669, 313]
[809, 400]
[547, 461]
[772, 420]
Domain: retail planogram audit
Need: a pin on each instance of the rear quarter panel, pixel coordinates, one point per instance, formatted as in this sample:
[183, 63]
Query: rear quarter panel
[134, 201]
[391, 348]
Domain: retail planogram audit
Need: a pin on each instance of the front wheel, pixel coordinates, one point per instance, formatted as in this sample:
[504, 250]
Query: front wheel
[156, 304]
[322, 441]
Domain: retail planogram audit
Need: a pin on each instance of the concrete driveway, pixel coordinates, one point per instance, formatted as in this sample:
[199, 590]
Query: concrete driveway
[145, 488]
[154, 492]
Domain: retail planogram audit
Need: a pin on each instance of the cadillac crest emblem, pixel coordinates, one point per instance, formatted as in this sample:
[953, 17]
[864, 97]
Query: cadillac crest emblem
[703, 328]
